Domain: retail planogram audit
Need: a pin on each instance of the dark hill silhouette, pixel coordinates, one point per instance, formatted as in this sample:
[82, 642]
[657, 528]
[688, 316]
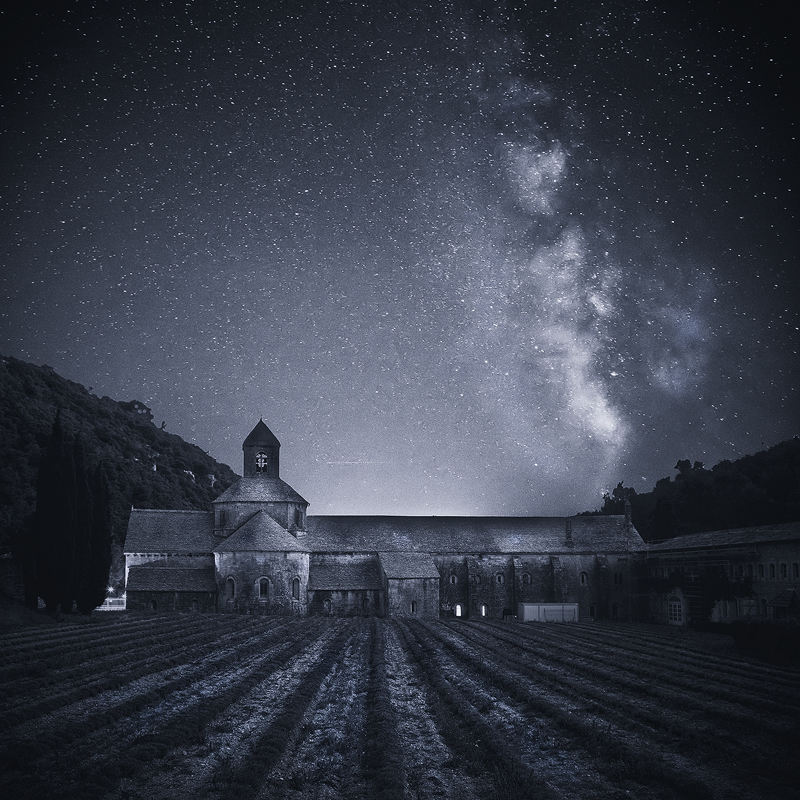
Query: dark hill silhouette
[759, 489]
[146, 466]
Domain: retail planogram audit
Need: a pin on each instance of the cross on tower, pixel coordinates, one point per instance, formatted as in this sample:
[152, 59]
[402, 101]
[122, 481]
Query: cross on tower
[262, 461]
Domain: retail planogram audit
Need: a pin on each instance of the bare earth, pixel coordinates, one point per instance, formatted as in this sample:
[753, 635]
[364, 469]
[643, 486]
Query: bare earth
[215, 707]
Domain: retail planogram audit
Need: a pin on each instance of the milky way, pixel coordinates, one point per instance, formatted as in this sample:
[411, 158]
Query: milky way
[462, 259]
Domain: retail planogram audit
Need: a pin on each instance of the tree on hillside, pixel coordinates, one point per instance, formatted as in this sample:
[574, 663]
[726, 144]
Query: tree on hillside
[55, 520]
[71, 528]
[93, 584]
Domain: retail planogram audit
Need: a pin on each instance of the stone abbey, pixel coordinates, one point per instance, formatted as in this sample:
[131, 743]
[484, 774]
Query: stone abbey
[259, 552]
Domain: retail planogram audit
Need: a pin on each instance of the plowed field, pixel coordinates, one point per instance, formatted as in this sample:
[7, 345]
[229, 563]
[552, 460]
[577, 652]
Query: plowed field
[239, 707]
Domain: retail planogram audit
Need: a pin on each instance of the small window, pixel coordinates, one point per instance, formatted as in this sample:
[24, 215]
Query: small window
[263, 588]
[230, 589]
[760, 570]
[413, 606]
[453, 580]
[153, 605]
[796, 571]
[526, 578]
[459, 610]
[584, 578]
[592, 611]
[675, 610]
[783, 571]
[296, 589]
[763, 607]
[483, 611]
[262, 461]
[501, 578]
[772, 571]
[223, 517]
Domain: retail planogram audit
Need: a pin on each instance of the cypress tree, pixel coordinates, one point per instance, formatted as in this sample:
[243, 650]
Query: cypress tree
[94, 583]
[55, 521]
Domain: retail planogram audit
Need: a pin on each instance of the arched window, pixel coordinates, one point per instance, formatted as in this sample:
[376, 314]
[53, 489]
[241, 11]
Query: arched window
[500, 577]
[459, 610]
[153, 605]
[483, 611]
[675, 610]
[526, 578]
[413, 606]
[584, 578]
[230, 589]
[772, 571]
[453, 580]
[193, 605]
[296, 589]
[592, 611]
[263, 588]
[262, 461]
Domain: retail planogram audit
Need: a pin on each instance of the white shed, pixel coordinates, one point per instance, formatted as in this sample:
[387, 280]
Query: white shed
[547, 612]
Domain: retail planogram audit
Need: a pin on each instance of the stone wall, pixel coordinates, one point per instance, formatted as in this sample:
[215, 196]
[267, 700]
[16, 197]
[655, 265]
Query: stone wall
[413, 597]
[247, 569]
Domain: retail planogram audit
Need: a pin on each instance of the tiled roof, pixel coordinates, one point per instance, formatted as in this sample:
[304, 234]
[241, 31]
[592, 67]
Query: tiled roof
[157, 531]
[786, 532]
[260, 489]
[261, 434]
[469, 534]
[339, 574]
[408, 565]
[260, 533]
[152, 578]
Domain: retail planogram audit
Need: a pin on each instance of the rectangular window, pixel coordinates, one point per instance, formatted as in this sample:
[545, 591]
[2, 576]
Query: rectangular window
[783, 571]
[760, 570]
[772, 571]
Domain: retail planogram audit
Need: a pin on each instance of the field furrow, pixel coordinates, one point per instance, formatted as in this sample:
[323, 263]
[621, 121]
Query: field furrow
[212, 707]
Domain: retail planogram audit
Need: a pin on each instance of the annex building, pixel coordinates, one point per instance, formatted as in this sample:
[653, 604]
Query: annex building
[259, 552]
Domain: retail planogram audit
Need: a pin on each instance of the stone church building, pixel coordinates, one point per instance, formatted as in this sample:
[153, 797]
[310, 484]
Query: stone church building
[259, 552]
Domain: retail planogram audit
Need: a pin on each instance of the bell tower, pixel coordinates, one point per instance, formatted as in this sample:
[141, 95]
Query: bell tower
[261, 453]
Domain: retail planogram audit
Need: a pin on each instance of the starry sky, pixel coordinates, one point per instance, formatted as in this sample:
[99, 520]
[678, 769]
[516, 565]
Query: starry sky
[463, 257]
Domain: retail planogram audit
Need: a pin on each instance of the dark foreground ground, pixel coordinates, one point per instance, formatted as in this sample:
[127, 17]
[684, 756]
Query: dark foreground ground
[125, 706]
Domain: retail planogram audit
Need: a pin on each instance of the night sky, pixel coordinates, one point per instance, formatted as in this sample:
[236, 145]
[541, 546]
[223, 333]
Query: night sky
[463, 259]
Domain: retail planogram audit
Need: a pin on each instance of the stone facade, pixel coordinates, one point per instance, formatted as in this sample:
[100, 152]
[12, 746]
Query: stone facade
[265, 555]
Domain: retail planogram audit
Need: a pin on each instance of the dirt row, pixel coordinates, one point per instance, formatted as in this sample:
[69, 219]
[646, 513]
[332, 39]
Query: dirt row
[212, 708]
[644, 737]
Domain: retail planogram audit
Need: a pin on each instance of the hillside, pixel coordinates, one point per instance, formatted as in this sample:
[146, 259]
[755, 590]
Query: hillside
[758, 489]
[146, 466]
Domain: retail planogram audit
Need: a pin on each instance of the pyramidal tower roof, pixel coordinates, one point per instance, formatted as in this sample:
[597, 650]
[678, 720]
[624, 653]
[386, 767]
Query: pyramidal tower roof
[261, 434]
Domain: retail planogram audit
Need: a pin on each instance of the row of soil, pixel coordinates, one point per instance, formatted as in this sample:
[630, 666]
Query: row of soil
[655, 675]
[17, 647]
[633, 743]
[687, 649]
[114, 735]
[29, 698]
[493, 737]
